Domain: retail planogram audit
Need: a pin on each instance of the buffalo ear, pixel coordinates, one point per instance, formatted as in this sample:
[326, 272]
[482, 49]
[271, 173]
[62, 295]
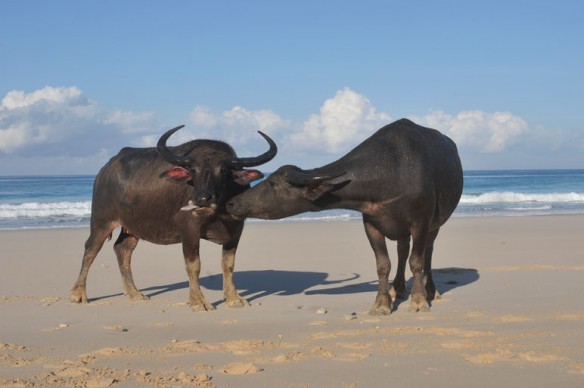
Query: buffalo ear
[244, 177]
[177, 174]
[314, 192]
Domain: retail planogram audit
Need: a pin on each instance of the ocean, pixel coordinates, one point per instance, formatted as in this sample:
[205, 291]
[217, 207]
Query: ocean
[36, 202]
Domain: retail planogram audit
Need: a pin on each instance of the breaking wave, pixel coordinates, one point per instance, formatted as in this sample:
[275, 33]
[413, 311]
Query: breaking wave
[512, 197]
[46, 209]
[40, 214]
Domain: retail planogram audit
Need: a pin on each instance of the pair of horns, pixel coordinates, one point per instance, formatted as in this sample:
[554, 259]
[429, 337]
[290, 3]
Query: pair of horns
[234, 162]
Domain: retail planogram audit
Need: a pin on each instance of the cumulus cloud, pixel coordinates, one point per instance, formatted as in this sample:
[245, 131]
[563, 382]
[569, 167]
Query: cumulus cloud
[490, 132]
[236, 126]
[61, 126]
[18, 99]
[130, 122]
[63, 121]
[345, 119]
[38, 117]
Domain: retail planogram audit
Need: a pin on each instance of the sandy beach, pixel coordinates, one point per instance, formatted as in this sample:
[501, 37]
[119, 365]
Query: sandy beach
[511, 312]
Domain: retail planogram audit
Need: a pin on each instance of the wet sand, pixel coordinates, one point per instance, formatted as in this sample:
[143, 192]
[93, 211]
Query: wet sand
[511, 312]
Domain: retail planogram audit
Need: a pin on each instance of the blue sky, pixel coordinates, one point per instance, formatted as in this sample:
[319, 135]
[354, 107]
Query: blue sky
[82, 79]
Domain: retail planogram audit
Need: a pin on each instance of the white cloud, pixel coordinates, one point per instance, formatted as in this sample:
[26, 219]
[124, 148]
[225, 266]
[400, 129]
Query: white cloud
[63, 121]
[236, 126]
[37, 117]
[12, 137]
[204, 117]
[49, 95]
[131, 122]
[56, 130]
[489, 132]
[147, 141]
[344, 120]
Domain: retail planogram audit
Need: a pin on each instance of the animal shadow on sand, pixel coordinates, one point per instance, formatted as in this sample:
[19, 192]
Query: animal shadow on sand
[445, 280]
[254, 285]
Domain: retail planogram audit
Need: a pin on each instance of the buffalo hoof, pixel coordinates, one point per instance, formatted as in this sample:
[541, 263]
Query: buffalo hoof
[78, 297]
[380, 310]
[419, 306]
[237, 302]
[138, 296]
[202, 307]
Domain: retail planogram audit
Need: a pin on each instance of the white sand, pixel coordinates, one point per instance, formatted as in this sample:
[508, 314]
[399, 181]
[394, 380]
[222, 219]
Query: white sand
[511, 313]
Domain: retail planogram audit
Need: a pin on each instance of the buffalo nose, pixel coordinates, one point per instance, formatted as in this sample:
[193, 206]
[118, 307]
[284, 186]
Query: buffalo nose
[203, 198]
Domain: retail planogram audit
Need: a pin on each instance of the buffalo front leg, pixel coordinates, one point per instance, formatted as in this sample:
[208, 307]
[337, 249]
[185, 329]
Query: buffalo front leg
[230, 294]
[123, 247]
[193, 266]
[419, 300]
[399, 289]
[92, 247]
[383, 303]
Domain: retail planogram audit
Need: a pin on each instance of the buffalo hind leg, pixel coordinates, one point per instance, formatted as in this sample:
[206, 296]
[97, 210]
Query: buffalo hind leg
[399, 288]
[430, 286]
[123, 247]
[93, 245]
[193, 266]
[419, 300]
[383, 303]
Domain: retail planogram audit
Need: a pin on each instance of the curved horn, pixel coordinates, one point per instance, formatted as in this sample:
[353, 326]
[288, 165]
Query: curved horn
[166, 153]
[302, 178]
[257, 160]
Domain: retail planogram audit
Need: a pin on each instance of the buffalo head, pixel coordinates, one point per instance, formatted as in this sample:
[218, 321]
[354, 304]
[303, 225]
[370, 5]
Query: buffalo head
[212, 169]
[286, 192]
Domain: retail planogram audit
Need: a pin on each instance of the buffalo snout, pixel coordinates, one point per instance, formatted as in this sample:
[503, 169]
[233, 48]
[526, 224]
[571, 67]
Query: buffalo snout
[234, 208]
[203, 198]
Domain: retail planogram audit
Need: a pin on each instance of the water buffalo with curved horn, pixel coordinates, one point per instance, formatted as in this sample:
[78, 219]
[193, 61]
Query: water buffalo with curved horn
[405, 179]
[168, 195]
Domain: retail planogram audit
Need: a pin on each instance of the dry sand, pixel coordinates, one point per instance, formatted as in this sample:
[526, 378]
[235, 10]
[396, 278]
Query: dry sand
[511, 312]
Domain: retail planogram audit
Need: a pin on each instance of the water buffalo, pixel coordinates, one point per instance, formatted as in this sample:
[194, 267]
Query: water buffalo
[168, 195]
[405, 179]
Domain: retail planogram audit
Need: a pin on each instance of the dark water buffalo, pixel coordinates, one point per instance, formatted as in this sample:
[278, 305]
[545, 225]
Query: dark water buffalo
[405, 179]
[168, 195]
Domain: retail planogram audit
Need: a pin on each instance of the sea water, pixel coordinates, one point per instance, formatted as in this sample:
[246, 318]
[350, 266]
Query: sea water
[45, 201]
[33, 202]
